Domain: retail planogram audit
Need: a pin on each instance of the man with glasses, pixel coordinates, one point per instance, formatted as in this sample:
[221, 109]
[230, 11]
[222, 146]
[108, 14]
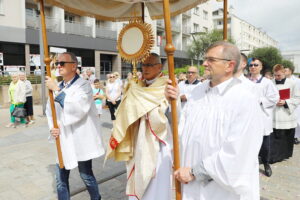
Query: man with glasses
[79, 128]
[220, 135]
[140, 135]
[188, 85]
[268, 97]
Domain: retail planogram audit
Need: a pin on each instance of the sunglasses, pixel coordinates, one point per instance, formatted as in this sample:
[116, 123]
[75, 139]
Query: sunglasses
[112, 77]
[62, 63]
[254, 65]
[191, 72]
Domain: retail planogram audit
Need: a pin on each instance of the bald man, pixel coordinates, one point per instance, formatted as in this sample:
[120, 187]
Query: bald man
[187, 86]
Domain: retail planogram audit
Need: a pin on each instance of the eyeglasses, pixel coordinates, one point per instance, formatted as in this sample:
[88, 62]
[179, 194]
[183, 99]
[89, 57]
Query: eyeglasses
[191, 72]
[214, 59]
[254, 65]
[112, 77]
[62, 63]
[149, 65]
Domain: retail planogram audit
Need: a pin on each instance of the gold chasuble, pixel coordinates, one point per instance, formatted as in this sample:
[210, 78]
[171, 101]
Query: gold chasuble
[139, 128]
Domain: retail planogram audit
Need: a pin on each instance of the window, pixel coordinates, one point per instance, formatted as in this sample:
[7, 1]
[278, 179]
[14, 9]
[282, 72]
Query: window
[220, 22]
[205, 29]
[196, 28]
[69, 18]
[196, 10]
[1, 7]
[205, 15]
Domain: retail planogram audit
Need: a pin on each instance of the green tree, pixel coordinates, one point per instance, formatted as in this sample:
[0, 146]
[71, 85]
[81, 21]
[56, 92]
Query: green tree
[201, 41]
[287, 63]
[269, 56]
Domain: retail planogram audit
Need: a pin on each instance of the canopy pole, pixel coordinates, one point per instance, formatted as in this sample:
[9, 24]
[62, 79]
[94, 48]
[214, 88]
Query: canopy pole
[143, 12]
[47, 61]
[169, 49]
[225, 20]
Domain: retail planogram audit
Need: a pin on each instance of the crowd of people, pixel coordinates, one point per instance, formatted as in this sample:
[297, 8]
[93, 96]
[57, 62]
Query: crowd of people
[228, 124]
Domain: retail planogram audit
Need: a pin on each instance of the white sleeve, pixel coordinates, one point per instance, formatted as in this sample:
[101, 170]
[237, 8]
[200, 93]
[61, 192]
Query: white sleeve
[294, 101]
[270, 96]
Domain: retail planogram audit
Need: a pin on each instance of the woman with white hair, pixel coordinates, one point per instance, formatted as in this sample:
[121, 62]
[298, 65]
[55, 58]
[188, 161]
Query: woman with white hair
[29, 103]
[17, 98]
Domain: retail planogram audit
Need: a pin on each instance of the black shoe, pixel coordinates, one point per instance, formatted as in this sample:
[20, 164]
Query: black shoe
[296, 141]
[268, 170]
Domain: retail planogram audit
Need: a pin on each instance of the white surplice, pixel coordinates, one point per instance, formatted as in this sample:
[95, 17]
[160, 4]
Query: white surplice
[297, 111]
[80, 135]
[219, 129]
[268, 97]
[185, 88]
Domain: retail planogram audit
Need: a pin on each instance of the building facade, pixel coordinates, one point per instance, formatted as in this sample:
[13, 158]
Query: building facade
[294, 57]
[93, 41]
[246, 36]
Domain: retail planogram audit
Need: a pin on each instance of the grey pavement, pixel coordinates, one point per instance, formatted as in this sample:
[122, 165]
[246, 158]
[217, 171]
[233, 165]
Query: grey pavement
[28, 161]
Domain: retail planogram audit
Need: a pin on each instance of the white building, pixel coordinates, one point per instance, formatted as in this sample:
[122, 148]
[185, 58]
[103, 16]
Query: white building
[92, 40]
[246, 36]
[294, 57]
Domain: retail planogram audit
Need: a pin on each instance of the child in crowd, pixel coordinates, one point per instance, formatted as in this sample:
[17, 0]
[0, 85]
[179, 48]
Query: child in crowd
[98, 96]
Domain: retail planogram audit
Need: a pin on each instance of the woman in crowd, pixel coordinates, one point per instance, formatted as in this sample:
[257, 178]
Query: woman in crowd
[17, 98]
[29, 103]
[113, 95]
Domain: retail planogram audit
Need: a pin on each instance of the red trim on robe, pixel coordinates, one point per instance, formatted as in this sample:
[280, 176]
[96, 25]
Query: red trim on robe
[113, 143]
[148, 121]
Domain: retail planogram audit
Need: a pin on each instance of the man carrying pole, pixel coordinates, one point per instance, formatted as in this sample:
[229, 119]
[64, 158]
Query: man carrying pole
[79, 127]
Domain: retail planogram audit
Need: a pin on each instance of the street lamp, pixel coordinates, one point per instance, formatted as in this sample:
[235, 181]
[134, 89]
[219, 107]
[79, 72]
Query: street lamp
[224, 18]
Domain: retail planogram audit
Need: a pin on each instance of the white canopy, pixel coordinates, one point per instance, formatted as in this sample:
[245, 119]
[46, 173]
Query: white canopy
[121, 10]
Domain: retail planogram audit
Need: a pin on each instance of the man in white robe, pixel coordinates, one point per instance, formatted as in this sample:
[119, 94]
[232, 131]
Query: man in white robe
[220, 133]
[186, 87]
[141, 135]
[79, 128]
[268, 97]
[289, 74]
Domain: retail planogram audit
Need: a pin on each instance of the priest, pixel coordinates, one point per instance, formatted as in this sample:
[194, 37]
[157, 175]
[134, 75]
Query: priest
[141, 137]
[220, 133]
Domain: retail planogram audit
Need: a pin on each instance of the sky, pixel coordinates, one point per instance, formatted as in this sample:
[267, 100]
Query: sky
[280, 19]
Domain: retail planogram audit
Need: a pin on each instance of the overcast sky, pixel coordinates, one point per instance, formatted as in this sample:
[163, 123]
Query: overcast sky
[279, 18]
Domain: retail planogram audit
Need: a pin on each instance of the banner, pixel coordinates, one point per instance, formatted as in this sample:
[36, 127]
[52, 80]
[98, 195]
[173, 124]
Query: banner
[34, 60]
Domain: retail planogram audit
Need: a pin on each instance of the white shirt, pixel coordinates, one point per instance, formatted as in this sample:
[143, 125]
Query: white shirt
[113, 90]
[185, 88]
[219, 130]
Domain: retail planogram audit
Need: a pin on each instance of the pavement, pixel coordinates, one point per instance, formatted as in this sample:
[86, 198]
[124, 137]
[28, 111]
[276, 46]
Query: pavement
[28, 161]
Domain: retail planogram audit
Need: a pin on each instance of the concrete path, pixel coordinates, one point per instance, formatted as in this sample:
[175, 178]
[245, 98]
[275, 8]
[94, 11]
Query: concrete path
[27, 167]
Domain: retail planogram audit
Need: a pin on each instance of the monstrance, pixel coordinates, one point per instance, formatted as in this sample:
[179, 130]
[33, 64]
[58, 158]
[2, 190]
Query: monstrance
[135, 42]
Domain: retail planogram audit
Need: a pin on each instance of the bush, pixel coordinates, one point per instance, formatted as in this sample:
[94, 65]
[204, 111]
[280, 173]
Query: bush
[5, 80]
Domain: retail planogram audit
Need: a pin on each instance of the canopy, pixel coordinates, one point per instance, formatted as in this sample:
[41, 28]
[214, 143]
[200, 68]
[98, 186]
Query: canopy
[122, 10]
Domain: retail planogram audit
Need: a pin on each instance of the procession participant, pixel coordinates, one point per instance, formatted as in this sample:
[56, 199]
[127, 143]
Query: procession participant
[289, 70]
[29, 103]
[113, 93]
[188, 85]
[17, 98]
[98, 96]
[220, 135]
[140, 135]
[285, 119]
[79, 128]
[269, 96]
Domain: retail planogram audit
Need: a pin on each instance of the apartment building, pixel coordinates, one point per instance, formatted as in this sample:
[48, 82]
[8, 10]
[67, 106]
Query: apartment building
[93, 41]
[246, 36]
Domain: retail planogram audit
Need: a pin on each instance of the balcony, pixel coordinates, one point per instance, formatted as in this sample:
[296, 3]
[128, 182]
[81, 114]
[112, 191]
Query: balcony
[187, 14]
[186, 30]
[106, 32]
[33, 21]
[160, 24]
[175, 27]
[78, 28]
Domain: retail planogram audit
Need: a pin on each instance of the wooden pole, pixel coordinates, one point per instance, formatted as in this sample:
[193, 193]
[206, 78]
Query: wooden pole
[169, 48]
[47, 62]
[225, 20]
[143, 11]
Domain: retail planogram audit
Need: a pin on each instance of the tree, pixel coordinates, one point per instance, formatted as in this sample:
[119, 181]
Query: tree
[201, 41]
[269, 56]
[287, 63]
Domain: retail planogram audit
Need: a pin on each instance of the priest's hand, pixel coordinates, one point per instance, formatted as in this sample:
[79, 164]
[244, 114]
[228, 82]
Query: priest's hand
[280, 102]
[184, 175]
[171, 92]
[55, 132]
[51, 84]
